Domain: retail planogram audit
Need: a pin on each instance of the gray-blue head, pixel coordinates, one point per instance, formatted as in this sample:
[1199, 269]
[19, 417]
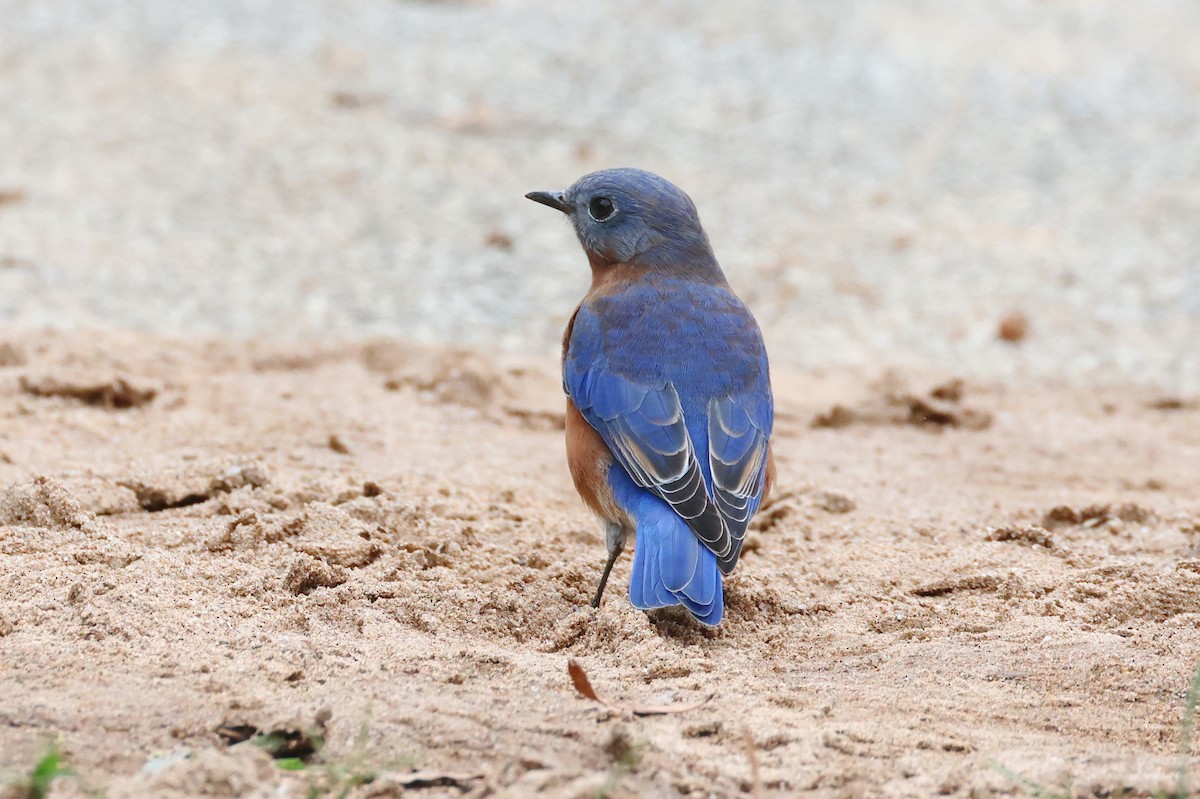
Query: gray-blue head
[630, 216]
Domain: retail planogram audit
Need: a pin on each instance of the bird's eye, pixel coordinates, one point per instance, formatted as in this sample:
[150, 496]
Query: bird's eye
[601, 208]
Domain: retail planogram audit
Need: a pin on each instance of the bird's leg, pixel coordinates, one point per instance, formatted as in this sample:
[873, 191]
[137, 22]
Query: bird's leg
[614, 538]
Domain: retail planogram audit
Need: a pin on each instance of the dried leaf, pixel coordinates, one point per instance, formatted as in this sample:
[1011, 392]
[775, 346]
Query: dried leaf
[584, 686]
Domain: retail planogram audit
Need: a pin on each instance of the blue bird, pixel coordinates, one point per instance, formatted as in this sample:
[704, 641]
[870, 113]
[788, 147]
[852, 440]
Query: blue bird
[669, 407]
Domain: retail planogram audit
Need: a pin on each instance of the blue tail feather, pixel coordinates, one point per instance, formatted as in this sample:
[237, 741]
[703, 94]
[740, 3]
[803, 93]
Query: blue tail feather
[679, 558]
[672, 567]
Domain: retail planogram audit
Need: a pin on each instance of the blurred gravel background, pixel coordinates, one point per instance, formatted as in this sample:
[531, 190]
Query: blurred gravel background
[883, 181]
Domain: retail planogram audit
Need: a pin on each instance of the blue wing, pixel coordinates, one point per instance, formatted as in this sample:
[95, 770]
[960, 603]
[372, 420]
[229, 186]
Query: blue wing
[642, 422]
[633, 372]
[643, 426]
[739, 430]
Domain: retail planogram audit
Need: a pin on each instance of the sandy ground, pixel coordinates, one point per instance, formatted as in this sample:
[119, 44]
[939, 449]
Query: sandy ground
[379, 543]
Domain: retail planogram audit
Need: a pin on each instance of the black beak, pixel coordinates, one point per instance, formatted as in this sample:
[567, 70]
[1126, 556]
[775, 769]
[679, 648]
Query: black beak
[554, 199]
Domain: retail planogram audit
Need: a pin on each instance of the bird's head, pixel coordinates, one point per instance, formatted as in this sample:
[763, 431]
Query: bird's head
[629, 216]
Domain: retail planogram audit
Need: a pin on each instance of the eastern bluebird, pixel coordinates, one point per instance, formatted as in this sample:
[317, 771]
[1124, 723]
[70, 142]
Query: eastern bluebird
[669, 407]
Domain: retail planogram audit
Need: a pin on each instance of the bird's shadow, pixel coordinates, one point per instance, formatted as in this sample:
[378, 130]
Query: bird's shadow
[676, 624]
